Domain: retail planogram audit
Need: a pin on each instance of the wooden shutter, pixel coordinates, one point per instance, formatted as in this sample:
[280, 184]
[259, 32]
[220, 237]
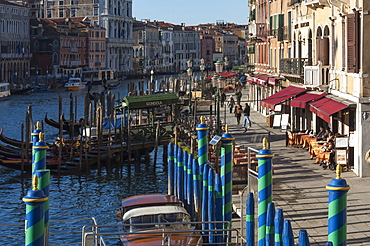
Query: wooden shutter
[353, 58]
[322, 48]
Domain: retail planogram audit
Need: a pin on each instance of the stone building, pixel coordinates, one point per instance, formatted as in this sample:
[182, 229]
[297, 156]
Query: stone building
[14, 43]
[115, 16]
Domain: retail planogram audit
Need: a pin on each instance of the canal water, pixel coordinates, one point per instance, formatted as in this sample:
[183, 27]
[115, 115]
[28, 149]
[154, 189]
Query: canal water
[96, 194]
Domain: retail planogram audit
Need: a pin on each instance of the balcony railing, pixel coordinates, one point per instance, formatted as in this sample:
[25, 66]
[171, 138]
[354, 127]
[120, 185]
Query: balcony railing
[294, 66]
[316, 3]
[277, 33]
[262, 30]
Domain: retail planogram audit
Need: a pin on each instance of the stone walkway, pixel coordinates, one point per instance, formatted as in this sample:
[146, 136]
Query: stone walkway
[299, 185]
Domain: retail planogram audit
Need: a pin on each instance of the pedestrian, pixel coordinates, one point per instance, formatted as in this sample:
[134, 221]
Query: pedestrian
[246, 112]
[238, 113]
[238, 96]
[223, 98]
[231, 103]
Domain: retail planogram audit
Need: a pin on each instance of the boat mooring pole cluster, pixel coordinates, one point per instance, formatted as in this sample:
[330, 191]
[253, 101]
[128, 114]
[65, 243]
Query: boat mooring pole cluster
[273, 230]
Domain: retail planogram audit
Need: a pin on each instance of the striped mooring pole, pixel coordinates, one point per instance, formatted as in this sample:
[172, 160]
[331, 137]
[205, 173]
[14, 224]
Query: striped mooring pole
[205, 199]
[227, 174]
[264, 157]
[190, 188]
[196, 187]
[270, 230]
[337, 218]
[180, 174]
[279, 224]
[212, 206]
[185, 170]
[171, 162]
[35, 138]
[43, 176]
[34, 223]
[249, 220]
[202, 130]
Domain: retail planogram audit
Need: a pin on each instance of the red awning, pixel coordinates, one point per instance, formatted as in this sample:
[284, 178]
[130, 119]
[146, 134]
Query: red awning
[250, 81]
[262, 80]
[301, 101]
[326, 107]
[272, 81]
[228, 74]
[281, 96]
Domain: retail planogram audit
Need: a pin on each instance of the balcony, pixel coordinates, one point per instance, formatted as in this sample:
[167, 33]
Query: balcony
[294, 67]
[315, 75]
[74, 63]
[314, 4]
[292, 2]
[97, 64]
[277, 33]
[259, 30]
[74, 49]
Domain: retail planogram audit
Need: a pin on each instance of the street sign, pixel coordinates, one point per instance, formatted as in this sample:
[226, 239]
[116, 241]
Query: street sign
[215, 140]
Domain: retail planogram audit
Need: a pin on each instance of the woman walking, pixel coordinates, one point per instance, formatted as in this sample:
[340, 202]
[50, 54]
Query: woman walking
[238, 113]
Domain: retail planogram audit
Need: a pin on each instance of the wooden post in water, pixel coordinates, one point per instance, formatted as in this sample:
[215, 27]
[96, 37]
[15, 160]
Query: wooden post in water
[22, 148]
[156, 143]
[99, 135]
[60, 147]
[129, 139]
[70, 115]
[110, 138]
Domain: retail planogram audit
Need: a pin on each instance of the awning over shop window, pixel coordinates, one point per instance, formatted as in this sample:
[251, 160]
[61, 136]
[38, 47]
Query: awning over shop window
[281, 96]
[262, 80]
[301, 101]
[326, 107]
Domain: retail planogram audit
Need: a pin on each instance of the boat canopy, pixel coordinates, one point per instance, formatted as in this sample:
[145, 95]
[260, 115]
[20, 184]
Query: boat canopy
[156, 210]
[150, 101]
[147, 200]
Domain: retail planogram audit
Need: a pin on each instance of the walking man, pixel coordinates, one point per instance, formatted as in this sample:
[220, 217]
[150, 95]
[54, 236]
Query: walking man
[246, 112]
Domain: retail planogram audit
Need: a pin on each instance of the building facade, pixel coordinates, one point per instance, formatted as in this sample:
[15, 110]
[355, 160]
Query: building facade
[319, 47]
[14, 43]
[115, 16]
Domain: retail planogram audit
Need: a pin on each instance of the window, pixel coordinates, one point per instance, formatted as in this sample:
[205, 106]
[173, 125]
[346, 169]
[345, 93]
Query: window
[353, 42]
[48, 13]
[74, 2]
[96, 11]
[61, 3]
[96, 1]
[50, 3]
[73, 12]
[61, 13]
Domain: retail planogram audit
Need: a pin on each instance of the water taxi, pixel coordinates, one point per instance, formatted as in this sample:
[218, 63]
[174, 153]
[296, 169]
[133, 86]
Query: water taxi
[156, 219]
[74, 84]
[4, 90]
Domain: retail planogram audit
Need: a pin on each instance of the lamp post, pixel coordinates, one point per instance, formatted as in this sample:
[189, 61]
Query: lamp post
[202, 67]
[226, 62]
[190, 73]
[218, 65]
[151, 81]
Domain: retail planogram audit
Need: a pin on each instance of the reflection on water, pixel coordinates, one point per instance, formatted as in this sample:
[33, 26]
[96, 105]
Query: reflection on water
[71, 197]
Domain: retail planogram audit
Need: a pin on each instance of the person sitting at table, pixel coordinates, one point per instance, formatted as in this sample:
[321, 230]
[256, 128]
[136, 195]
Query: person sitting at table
[321, 132]
[326, 134]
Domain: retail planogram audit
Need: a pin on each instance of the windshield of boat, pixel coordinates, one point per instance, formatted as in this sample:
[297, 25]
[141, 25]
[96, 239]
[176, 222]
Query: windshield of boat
[150, 218]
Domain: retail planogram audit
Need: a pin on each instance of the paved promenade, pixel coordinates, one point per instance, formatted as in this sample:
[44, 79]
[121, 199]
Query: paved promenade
[299, 185]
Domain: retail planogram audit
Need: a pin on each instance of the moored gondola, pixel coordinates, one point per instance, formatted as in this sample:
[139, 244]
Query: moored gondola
[11, 141]
[66, 124]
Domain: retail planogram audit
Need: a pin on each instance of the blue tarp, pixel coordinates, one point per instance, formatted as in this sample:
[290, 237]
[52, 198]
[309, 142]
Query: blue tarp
[110, 123]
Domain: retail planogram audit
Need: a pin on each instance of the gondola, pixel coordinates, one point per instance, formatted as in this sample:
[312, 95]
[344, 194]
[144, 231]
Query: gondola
[11, 141]
[21, 91]
[66, 124]
[27, 165]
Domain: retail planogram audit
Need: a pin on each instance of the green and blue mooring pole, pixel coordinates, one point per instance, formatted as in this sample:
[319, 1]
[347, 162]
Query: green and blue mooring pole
[264, 157]
[337, 217]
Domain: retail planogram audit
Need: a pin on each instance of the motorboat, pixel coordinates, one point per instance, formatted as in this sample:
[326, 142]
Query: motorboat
[4, 90]
[74, 84]
[156, 219]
